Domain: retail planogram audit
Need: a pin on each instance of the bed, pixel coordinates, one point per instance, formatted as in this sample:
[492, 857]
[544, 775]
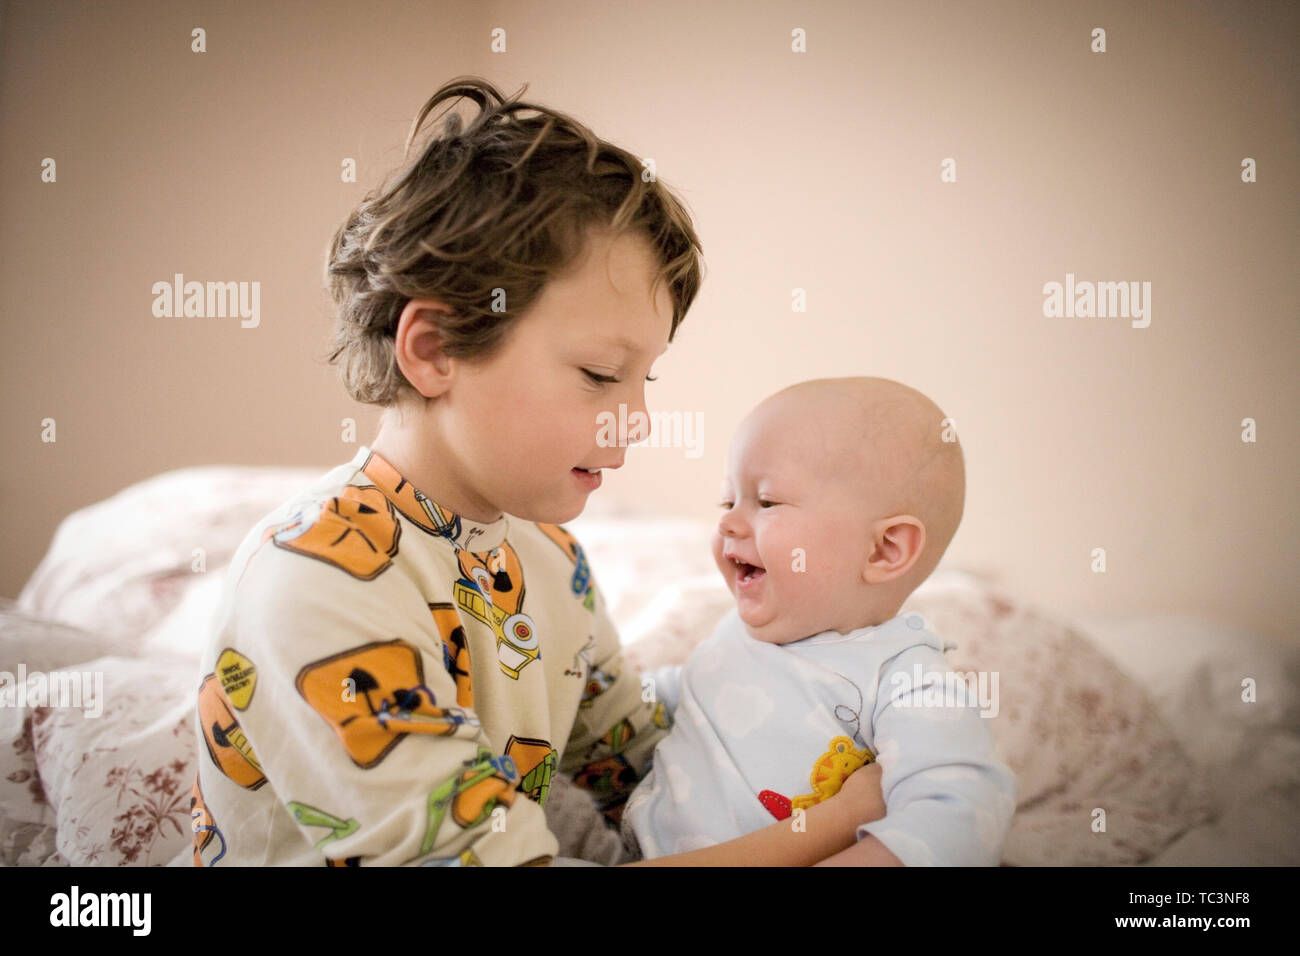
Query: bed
[1135, 739]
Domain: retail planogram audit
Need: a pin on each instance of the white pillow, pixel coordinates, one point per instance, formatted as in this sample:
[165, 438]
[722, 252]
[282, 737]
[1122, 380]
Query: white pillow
[119, 785]
[118, 566]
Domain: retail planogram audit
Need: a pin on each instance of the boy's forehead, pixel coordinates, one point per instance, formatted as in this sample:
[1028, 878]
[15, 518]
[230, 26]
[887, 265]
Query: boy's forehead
[605, 292]
[623, 327]
[623, 343]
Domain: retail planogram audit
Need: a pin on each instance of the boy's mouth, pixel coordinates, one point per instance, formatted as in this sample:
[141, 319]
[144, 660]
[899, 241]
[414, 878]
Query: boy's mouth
[588, 478]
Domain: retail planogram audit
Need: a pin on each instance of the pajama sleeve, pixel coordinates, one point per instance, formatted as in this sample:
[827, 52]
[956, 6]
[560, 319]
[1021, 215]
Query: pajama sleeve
[615, 732]
[949, 800]
[342, 698]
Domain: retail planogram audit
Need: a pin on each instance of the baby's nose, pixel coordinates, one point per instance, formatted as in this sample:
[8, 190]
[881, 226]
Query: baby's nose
[729, 524]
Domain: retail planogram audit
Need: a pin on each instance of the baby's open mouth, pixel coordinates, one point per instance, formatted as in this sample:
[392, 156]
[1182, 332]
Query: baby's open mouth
[748, 573]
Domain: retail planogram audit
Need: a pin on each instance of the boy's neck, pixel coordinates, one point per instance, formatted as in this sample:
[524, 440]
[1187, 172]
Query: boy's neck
[414, 448]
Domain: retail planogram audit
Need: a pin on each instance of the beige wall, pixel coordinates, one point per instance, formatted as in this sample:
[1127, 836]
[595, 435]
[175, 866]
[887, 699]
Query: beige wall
[817, 170]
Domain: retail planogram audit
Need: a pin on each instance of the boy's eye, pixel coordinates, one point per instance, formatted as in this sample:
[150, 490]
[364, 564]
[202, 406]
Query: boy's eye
[610, 379]
[724, 504]
[764, 503]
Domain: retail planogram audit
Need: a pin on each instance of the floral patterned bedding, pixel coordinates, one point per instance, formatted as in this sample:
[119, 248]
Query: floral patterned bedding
[129, 584]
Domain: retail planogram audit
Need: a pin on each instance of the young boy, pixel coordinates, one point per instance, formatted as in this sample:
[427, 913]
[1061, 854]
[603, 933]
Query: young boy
[406, 653]
[841, 496]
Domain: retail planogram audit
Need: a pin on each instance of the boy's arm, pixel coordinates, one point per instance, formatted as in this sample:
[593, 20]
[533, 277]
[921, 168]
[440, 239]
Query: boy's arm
[341, 703]
[829, 829]
[950, 798]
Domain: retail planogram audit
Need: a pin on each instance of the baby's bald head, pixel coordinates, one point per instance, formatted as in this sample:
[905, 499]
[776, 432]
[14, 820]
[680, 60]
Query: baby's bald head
[884, 442]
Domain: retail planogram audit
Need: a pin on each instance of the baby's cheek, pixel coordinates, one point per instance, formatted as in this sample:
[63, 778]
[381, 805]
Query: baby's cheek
[810, 556]
[799, 572]
[803, 596]
[818, 573]
[717, 554]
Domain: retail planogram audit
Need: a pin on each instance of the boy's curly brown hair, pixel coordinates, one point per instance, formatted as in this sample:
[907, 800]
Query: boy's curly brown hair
[502, 203]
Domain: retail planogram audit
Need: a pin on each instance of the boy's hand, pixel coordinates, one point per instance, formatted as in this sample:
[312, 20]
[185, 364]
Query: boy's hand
[861, 794]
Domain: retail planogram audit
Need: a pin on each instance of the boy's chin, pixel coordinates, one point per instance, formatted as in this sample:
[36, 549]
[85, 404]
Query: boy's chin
[551, 514]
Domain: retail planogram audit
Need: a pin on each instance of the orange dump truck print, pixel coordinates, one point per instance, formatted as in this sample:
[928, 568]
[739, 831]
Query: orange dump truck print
[374, 696]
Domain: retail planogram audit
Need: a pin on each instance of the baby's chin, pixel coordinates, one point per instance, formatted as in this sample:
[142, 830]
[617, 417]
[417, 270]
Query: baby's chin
[771, 629]
[768, 628]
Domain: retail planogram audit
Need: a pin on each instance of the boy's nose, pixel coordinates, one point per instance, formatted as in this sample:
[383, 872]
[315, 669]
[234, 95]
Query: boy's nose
[638, 421]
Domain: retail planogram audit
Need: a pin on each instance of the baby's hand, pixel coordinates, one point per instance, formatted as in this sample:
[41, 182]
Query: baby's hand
[861, 792]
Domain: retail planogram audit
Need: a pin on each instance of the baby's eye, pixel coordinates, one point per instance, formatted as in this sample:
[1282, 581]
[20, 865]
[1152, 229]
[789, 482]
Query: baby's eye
[598, 378]
[764, 503]
[724, 504]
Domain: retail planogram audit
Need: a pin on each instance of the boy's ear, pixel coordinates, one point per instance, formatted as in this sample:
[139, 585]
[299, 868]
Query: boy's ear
[896, 545]
[417, 347]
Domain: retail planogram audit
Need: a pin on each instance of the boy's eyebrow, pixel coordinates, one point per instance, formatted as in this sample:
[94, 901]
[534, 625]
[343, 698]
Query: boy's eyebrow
[621, 342]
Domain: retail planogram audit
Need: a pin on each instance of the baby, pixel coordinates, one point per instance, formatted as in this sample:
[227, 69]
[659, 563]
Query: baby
[840, 497]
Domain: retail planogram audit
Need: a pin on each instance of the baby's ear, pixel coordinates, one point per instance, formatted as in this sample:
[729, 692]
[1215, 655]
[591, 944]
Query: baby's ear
[864, 570]
[869, 562]
[896, 545]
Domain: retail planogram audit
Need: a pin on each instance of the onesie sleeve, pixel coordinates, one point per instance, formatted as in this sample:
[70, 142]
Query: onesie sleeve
[617, 725]
[340, 691]
[667, 684]
[949, 800]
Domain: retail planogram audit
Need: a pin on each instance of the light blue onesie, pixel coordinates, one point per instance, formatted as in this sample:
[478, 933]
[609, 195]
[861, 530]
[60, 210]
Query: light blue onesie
[752, 722]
